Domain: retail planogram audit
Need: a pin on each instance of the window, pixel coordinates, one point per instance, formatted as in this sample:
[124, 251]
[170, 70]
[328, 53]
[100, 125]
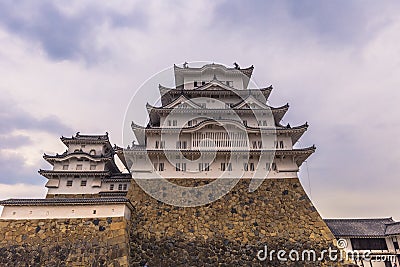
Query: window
[368, 243]
[174, 123]
[203, 83]
[94, 211]
[157, 144]
[195, 83]
[83, 183]
[169, 123]
[268, 166]
[281, 144]
[92, 167]
[181, 144]
[395, 243]
[273, 166]
[203, 105]
[161, 166]
[79, 167]
[65, 167]
[245, 166]
[189, 123]
[92, 152]
[111, 187]
[251, 166]
[254, 144]
[245, 123]
[207, 167]
[120, 187]
[162, 144]
[125, 187]
[264, 123]
[229, 167]
[259, 144]
[180, 166]
[226, 166]
[69, 183]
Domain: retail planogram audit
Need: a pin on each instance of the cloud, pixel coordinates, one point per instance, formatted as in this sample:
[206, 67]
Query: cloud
[14, 118]
[14, 141]
[14, 169]
[64, 33]
[20, 190]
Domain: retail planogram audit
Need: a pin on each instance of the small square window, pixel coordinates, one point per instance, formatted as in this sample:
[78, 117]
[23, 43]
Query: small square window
[65, 167]
[92, 167]
[111, 187]
[83, 183]
[120, 187]
[69, 183]
[79, 167]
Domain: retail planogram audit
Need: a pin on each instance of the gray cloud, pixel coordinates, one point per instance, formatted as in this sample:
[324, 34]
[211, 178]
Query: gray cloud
[14, 118]
[14, 141]
[14, 170]
[64, 36]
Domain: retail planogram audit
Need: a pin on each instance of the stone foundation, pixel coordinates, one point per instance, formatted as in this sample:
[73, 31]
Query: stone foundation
[64, 242]
[230, 231]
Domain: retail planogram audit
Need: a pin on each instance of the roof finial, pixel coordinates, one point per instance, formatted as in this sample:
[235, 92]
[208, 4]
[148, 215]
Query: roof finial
[236, 66]
[185, 65]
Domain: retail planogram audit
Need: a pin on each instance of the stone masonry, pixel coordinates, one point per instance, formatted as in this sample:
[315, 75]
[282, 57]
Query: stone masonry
[230, 231]
[64, 242]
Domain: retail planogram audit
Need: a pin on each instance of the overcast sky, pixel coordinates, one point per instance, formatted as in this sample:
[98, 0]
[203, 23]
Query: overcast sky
[74, 67]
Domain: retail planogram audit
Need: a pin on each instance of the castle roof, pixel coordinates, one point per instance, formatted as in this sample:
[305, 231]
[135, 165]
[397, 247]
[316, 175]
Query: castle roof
[85, 139]
[154, 112]
[363, 228]
[246, 71]
[212, 88]
[78, 154]
[51, 174]
[65, 201]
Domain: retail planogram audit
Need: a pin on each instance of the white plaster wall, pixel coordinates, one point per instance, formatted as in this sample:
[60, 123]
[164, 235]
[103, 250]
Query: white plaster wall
[237, 79]
[76, 187]
[65, 211]
[73, 163]
[286, 168]
[99, 148]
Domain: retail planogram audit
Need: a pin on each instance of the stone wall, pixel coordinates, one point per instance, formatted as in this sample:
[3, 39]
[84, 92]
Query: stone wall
[64, 242]
[230, 231]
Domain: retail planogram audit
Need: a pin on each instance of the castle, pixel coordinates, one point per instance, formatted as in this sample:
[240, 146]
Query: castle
[213, 178]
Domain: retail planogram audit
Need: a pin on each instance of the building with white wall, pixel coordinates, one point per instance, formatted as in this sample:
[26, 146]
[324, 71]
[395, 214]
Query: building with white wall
[378, 237]
[211, 124]
[84, 182]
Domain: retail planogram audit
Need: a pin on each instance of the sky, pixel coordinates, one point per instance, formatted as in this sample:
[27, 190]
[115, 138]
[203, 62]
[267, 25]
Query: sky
[69, 66]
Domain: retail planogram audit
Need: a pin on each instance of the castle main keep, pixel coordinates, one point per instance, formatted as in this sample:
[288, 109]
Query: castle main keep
[213, 179]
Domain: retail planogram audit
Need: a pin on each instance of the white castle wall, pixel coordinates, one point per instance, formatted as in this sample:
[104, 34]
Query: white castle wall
[65, 211]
